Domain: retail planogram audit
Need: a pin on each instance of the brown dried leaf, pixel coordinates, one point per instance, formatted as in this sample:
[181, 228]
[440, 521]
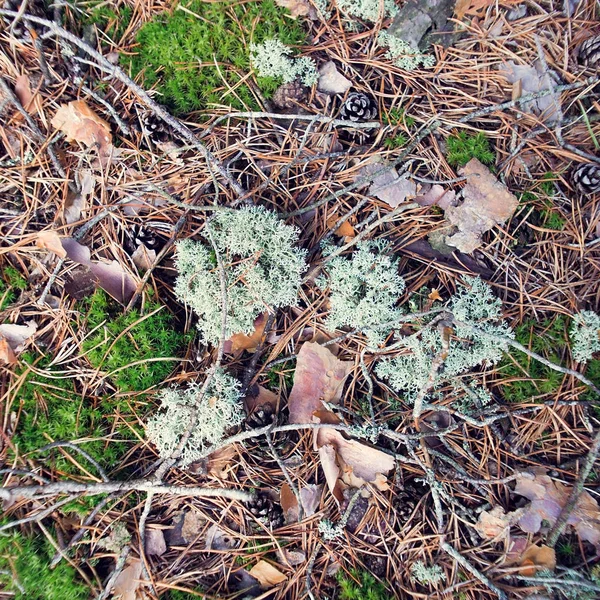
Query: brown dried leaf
[496, 523]
[81, 124]
[438, 196]
[486, 203]
[267, 574]
[30, 100]
[7, 354]
[143, 258]
[218, 539]
[319, 376]
[310, 496]
[289, 504]
[16, 337]
[155, 542]
[50, 240]
[128, 581]
[548, 497]
[219, 461]
[471, 7]
[292, 557]
[298, 8]
[389, 186]
[344, 230]
[76, 203]
[536, 558]
[331, 81]
[241, 341]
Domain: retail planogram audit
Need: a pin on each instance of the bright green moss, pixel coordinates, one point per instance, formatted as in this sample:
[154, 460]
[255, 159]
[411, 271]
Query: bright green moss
[177, 52]
[524, 378]
[463, 146]
[29, 559]
[126, 345]
[112, 23]
[360, 585]
[11, 282]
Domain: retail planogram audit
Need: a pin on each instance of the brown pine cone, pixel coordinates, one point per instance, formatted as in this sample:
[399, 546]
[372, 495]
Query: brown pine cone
[359, 107]
[589, 52]
[586, 178]
[289, 95]
[156, 129]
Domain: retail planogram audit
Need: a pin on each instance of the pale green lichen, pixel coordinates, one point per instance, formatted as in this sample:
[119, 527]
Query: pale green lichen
[364, 290]
[403, 54]
[368, 10]
[117, 539]
[427, 575]
[479, 338]
[263, 269]
[217, 411]
[272, 58]
[585, 335]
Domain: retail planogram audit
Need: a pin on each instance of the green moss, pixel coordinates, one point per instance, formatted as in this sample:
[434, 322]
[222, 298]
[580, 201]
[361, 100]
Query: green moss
[397, 117]
[541, 195]
[360, 585]
[126, 345]
[11, 282]
[524, 378]
[177, 52]
[463, 146]
[281, 376]
[29, 559]
[112, 23]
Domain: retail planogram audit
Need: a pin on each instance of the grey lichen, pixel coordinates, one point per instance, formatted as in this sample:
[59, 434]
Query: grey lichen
[478, 332]
[403, 54]
[272, 58]
[427, 575]
[585, 335]
[262, 264]
[368, 10]
[218, 410]
[364, 290]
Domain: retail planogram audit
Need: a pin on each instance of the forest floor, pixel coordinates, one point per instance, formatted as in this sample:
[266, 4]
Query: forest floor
[122, 125]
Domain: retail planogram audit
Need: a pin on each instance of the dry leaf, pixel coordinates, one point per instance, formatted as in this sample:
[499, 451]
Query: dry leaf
[548, 497]
[75, 204]
[438, 196]
[191, 526]
[344, 230]
[241, 341]
[298, 8]
[486, 203]
[267, 574]
[291, 557]
[319, 376]
[471, 7]
[128, 581]
[533, 79]
[536, 558]
[13, 339]
[219, 462]
[143, 258]
[7, 354]
[388, 186]
[30, 100]
[496, 523]
[331, 81]
[155, 542]
[289, 504]
[81, 124]
[310, 496]
[50, 240]
[111, 277]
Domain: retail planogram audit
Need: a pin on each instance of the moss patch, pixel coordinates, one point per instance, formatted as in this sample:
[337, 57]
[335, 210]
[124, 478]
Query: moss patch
[360, 585]
[11, 283]
[177, 52]
[462, 147]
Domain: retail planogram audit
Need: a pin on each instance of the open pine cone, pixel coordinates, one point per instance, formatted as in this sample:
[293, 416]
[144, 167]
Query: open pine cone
[359, 107]
[589, 52]
[289, 95]
[156, 129]
[586, 178]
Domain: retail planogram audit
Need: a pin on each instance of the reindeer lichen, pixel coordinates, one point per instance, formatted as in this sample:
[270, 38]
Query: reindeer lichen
[585, 335]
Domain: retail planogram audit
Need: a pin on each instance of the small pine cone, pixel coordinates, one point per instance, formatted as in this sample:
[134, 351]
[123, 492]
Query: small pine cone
[156, 129]
[359, 107]
[589, 52]
[263, 415]
[267, 510]
[289, 95]
[586, 178]
[139, 235]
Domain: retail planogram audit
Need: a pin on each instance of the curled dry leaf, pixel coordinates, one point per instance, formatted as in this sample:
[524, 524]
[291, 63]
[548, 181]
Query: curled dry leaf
[388, 186]
[331, 81]
[267, 574]
[298, 8]
[289, 504]
[13, 339]
[76, 203]
[293, 558]
[548, 497]
[310, 496]
[128, 581]
[81, 124]
[30, 100]
[486, 203]
[50, 240]
[495, 523]
[319, 376]
[536, 558]
[143, 258]
[218, 462]
[241, 341]
[219, 539]
[438, 196]
[344, 230]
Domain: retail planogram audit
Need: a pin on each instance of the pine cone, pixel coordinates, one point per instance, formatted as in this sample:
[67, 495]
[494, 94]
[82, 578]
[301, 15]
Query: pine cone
[289, 95]
[139, 235]
[263, 415]
[407, 499]
[359, 107]
[267, 510]
[156, 129]
[589, 52]
[586, 178]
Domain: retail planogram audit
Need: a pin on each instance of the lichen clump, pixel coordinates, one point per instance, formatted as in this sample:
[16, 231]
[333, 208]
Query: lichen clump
[364, 290]
[585, 335]
[471, 307]
[368, 10]
[217, 411]
[273, 59]
[403, 54]
[262, 264]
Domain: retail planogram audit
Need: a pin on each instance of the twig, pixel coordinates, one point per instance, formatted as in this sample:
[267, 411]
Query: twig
[80, 451]
[117, 571]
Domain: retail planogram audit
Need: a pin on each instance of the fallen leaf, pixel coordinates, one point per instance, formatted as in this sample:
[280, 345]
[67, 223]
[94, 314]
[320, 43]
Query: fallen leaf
[241, 341]
[155, 542]
[7, 354]
[220, 461]
[536, 558]
[50, 240]
[289, 504]
[297, 8]
[533, 79]
[486, 203]
[471, 7]
[30, 100]
[143, 258]
[111, 277]
[344, 230]
[548, 497]
[267, 574]
[496, 524]
[260, 398]
[76, 203]
[185, 528]
[128, 580]
[13, 339]
[310, 496]
[388, 186]
[434, 296]
[81, 124]
[319, 376]
[331, 81]
[438, 196]
[293, 558]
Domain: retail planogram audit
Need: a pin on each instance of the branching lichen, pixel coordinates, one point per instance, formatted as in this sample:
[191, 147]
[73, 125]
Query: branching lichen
[218, 410]
[585, 335]
[365, 289]
[368, 10]
[427, 575]
[272, 58]
[403, 54]
[263, 268]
